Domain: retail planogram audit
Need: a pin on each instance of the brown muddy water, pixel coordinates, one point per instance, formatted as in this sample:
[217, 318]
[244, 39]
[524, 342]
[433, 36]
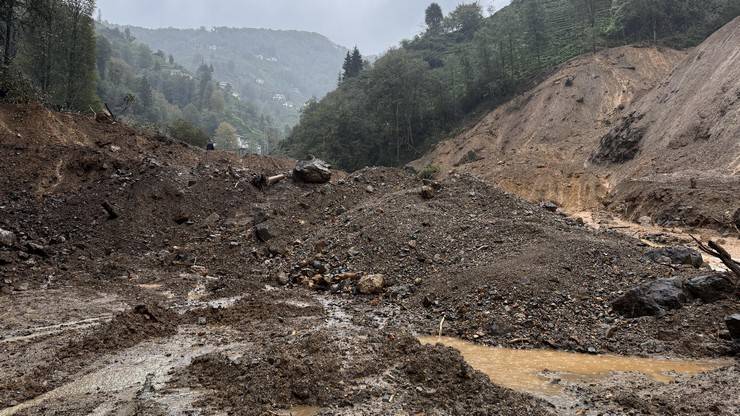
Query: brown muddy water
[539, 372]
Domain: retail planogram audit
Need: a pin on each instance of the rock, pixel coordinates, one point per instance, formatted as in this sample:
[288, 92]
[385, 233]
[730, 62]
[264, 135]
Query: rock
[651, 299]
[676, 255]
[212, 219]
[181, 218]
[262, 231]
[549, 206]
[37, 249]
[370, 189]
[319, 266]
[427, 192]
[711, 287]
[736, 218]
[259, 214]
[312, 171]
[7, 238]
[645, 221]
[733, 325]
[371, 284]
[6, 258]
[283, 278]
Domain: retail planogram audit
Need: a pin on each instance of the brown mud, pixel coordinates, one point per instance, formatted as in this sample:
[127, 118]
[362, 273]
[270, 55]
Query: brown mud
[175, 306]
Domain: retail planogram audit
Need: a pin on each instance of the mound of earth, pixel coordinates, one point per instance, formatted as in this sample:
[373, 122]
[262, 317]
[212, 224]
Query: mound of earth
[314, 370]
[646, 132]
[264, 294]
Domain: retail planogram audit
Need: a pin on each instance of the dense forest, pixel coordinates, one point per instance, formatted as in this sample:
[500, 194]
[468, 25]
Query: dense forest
[465, 63]
[275, 70]
[54, 51]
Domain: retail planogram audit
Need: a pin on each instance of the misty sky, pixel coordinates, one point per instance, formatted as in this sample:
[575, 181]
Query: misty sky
[373, 25]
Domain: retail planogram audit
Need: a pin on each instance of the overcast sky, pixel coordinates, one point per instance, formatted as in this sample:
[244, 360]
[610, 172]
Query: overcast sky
[373, 25]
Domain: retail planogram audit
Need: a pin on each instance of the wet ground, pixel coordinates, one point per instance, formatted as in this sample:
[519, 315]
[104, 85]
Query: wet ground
[179, 306]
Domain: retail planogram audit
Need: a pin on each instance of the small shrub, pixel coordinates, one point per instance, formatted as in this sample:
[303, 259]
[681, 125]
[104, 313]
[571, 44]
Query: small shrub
[429, 172]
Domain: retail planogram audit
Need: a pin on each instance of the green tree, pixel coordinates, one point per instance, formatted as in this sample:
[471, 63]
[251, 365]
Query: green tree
[465, 19]
[353, 64]
[188, 132]
[536, 37]
[226, 137]
[434, 18]
[104, 53]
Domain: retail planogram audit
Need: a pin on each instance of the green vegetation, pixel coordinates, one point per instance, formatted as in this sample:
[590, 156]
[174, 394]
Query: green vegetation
[52, 44]
[276, 71]
[151, 88]
[53, 51]
[429, 172]
[465, 64]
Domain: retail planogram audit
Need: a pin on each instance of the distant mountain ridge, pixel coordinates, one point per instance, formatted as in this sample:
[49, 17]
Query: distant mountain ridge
[276, 70]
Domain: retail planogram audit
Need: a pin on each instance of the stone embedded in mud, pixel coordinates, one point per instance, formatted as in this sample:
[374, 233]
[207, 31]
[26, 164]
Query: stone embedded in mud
[37, 249]
[263, 232]
[7, 238]
[710, 288]
[733, 325]
[676, 255]
[283, 278]
[371, 284]
[312, 171]
[427, 192]
[653, 298]
[549, 206]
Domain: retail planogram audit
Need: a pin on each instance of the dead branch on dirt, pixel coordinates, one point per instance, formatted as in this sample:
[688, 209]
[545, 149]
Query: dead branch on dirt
[716, 250]
[262, 181]
[113, 116]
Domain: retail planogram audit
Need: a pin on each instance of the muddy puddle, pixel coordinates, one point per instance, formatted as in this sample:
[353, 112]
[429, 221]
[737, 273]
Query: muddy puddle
[540, 372]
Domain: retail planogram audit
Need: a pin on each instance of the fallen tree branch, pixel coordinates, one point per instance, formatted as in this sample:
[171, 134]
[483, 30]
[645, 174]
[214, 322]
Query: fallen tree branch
[716, 250]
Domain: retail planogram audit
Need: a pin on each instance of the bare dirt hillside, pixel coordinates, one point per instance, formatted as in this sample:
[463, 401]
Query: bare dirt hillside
[642, 130]
[537, 145]
[691, 126]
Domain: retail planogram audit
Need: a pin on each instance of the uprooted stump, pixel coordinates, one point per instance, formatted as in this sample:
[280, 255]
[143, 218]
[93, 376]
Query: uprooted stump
[312, 171]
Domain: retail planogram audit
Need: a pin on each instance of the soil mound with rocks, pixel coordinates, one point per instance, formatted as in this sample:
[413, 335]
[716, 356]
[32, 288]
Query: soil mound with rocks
[293, 293]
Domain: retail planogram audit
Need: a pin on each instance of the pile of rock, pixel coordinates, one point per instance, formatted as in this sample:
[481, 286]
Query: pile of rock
[657, 297]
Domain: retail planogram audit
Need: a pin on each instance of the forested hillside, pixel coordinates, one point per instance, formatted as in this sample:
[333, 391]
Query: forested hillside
[152, 88]
[277, 70]
[53, 52]
[465, 63]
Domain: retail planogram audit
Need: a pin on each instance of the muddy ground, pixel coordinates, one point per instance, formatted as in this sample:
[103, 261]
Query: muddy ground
[171, 302]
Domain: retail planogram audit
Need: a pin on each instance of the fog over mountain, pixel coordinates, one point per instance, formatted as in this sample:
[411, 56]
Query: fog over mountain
[373, 25]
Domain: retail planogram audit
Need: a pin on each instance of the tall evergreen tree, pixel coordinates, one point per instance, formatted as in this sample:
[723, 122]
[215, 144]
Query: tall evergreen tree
[434, 18]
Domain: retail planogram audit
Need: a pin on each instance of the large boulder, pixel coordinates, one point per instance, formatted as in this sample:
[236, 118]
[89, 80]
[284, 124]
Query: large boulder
[676, 255]
[312, 171]
[710, 288]
[653, 298]
[733, 325]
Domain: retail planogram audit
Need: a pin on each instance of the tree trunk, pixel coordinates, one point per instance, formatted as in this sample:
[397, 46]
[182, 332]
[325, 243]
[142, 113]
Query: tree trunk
[9, 24]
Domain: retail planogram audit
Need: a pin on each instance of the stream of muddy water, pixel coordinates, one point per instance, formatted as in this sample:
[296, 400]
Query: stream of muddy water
[540, 372]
